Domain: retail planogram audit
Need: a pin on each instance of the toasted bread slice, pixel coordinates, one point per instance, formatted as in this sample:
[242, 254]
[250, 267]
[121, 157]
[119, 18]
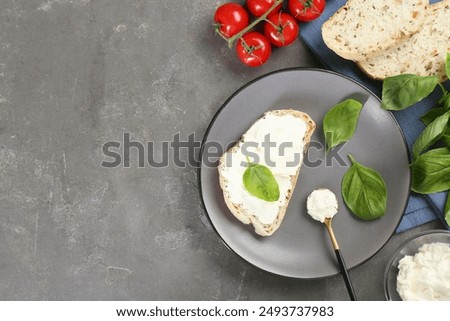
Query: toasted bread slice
[288, 126]
[363, 28]
[422, 54]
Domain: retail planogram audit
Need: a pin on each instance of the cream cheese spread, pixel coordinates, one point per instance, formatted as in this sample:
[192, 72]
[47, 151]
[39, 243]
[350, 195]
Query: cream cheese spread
[426, 275]
[275, 141]
[322, 204]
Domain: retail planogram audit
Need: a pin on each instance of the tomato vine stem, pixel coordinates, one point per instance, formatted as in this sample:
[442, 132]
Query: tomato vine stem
[232, 39]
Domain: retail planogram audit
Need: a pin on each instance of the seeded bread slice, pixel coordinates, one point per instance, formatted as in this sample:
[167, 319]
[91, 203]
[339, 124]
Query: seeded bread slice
[243, 214]
[423, 54]
[363, 28]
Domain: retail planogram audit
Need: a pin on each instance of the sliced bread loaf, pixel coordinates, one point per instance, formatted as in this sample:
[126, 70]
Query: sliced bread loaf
[364, 28]
[422, 54]
[291, 132]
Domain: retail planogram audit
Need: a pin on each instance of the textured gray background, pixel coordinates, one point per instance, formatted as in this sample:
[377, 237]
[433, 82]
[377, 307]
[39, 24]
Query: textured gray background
[75, 74]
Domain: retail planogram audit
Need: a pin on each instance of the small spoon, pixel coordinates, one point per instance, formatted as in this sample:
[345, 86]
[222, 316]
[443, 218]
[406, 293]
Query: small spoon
[322, 205]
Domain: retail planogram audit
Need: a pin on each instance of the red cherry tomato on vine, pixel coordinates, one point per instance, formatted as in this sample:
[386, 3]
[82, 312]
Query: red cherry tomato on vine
[253, 49]
[281, 29]
[259, 7]
[306, 10]
[230, 18]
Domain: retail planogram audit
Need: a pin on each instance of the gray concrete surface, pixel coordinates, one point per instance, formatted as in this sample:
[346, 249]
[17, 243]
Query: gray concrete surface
[75, 74]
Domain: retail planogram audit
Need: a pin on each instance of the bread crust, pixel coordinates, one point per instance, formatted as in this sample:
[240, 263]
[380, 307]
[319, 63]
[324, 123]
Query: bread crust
[236, 209]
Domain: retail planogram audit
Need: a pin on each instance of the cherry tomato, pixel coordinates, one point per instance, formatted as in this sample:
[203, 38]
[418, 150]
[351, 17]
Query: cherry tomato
[281, 29]
[230, 18]
[306, 10]
[259, 7]
[253, 49]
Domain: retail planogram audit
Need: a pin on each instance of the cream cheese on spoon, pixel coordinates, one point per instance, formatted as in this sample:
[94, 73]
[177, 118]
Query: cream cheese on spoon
[322, 204]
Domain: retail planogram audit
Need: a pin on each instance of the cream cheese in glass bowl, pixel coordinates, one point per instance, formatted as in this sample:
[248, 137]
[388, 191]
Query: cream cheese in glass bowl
[420, 269]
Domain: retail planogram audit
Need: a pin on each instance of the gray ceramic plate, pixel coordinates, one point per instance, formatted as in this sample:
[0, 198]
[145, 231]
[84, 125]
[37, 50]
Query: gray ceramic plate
[300, 248]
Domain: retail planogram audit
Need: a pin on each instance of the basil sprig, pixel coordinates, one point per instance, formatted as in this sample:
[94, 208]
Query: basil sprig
[430, 169]
[259, 181]
[339, 123]
[364, 191]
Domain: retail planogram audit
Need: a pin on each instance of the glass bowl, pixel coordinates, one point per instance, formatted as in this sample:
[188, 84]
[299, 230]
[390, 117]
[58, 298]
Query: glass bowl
[409, 247]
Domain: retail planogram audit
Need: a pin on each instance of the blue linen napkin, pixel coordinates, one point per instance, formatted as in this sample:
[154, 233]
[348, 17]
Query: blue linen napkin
[421, 208]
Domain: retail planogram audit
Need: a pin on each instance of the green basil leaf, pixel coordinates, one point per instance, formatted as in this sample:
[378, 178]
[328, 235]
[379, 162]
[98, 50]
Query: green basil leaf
[431, 134]
[364, 191]
[446, 138]
[402, 91]
[447, 210]
[339, 123]
[446, 101]
[431, 171]
[432, 114]
[447, 65]
[260, 182]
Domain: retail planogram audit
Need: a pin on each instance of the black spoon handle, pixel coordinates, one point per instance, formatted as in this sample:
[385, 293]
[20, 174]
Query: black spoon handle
[348, 282]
